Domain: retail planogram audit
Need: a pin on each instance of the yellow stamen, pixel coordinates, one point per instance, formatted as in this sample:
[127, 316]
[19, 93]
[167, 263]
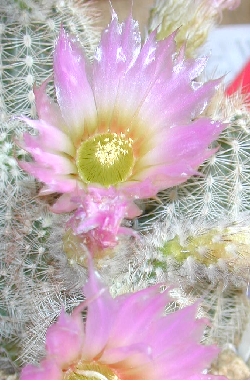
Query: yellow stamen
[106, 159]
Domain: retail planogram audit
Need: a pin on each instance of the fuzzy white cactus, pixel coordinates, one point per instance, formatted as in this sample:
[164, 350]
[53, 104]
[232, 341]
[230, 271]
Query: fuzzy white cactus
[28, 30]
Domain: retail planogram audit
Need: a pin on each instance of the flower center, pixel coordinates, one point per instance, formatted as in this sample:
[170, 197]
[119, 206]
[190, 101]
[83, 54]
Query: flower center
[90, 371]
[106, 159]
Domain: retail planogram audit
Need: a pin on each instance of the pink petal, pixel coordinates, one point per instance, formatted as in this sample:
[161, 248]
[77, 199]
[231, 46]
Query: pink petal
[158, 87]
[48, 110]
[169, 339]
[139, 189]
[175, 332]
[165, 176]
[119, 47]
[132, 211]
[194, 359]
[58, 163]
[141, 310]
[141, 76]
[184, 365]
[182, 143]
[150, 181]
[47, 370]
[65, 338]
[73, 90]
[174, 101]
[56, 183]
[64, 204]
[50, 137]
[130, 355]
[100, 315]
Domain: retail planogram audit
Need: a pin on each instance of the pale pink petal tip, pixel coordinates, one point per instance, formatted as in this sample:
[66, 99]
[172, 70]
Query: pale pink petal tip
[74, 94]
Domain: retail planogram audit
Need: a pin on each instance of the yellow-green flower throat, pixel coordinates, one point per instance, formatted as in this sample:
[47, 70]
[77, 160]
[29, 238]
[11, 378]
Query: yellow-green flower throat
[106, 159]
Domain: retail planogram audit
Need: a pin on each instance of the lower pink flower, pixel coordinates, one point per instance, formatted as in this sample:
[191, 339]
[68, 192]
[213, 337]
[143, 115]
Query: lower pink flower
[128, 337]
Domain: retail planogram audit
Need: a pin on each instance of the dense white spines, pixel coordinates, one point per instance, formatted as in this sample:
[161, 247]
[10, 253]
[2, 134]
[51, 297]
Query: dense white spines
[28, 30]
[29, 262]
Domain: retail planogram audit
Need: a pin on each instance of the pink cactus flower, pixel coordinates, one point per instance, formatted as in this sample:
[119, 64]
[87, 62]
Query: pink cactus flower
[98, 216]
[128, 337]
[131, 119]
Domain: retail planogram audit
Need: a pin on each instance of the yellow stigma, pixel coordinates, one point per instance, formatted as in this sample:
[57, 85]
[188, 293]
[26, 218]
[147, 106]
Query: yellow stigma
[106, 159]
[90, 371]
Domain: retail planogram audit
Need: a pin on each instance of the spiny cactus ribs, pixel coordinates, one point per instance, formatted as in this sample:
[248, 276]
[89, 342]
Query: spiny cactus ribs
[28, 30]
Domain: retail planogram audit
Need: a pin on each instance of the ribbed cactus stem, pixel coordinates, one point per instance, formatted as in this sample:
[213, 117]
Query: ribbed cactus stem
[28, 260]
[27, 39]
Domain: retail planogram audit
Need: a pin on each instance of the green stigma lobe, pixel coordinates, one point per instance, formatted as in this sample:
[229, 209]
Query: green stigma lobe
[106, 159]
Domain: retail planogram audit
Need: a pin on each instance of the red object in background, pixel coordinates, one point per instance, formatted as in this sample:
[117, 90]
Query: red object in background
[241, 82]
